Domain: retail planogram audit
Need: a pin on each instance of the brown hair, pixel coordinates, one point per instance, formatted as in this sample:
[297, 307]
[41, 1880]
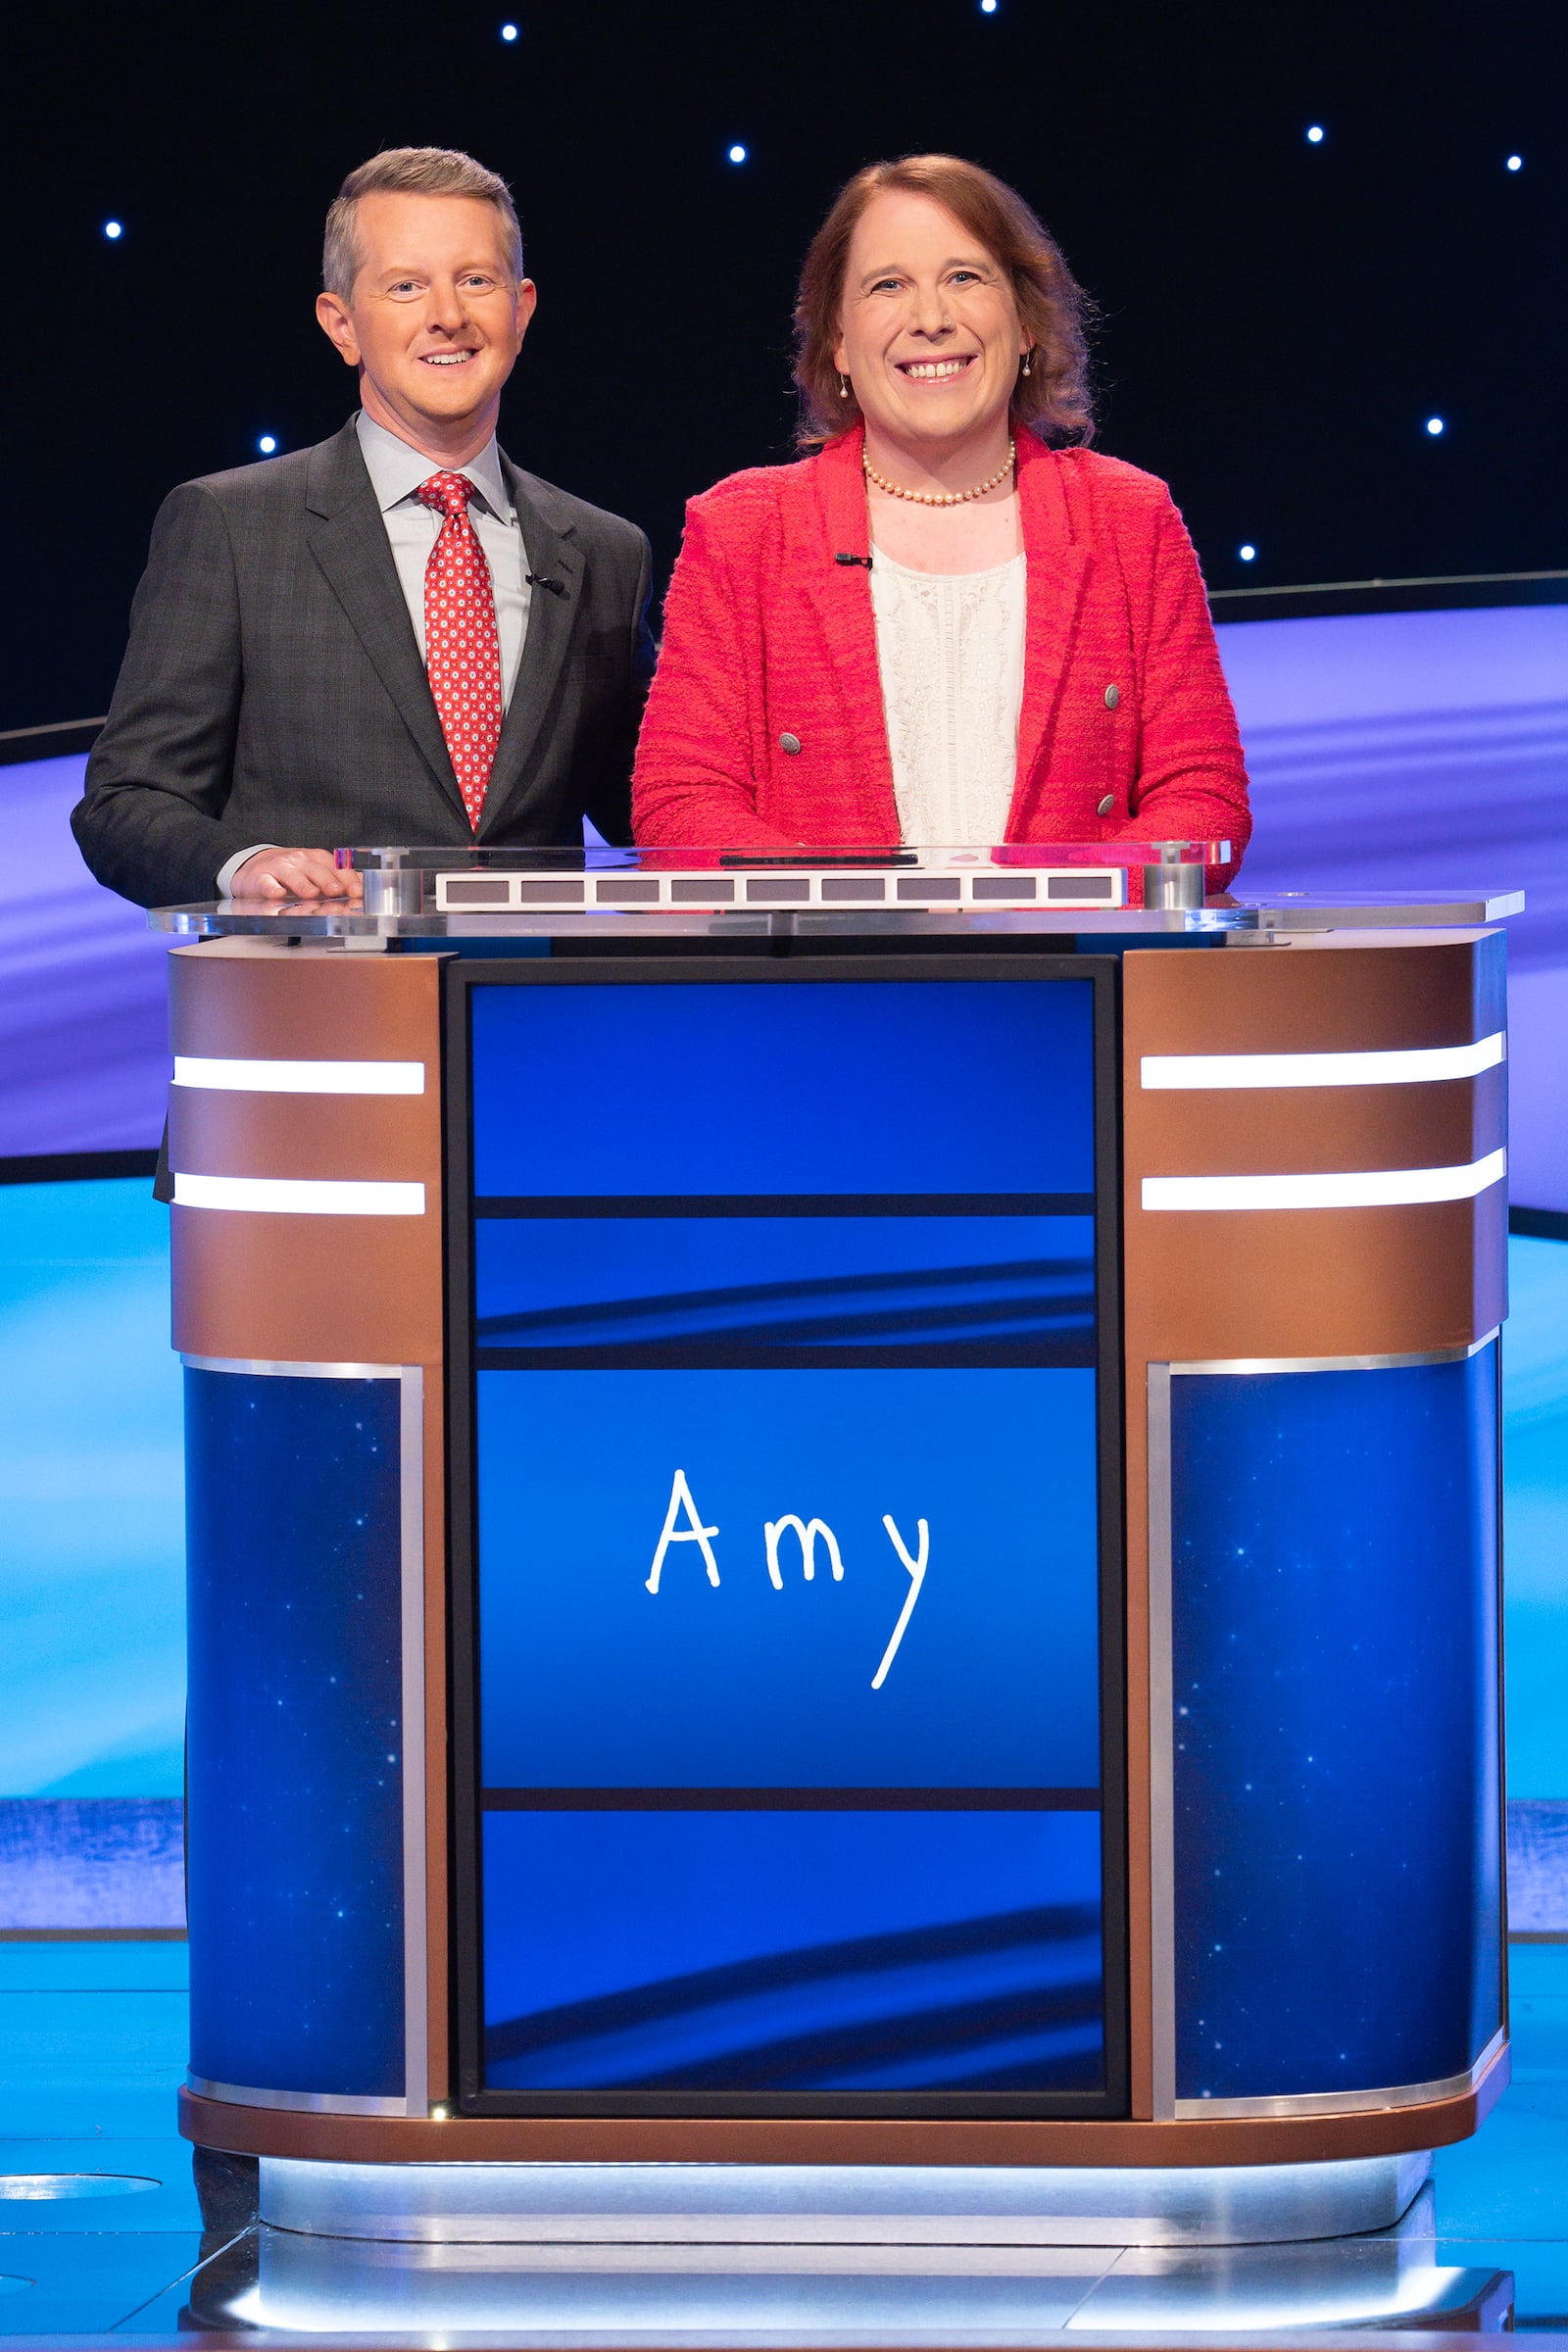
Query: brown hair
[1052, 401]
[411, 171]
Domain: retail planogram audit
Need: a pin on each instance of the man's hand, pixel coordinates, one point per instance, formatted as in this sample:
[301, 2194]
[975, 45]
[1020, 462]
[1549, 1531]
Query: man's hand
[294, 875]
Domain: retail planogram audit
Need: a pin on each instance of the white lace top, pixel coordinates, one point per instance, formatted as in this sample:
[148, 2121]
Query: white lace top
[950, 647]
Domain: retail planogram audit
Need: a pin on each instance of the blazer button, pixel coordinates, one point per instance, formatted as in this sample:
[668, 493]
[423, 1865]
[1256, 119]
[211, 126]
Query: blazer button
[1112, 697]
[789, 743]
[1109, 803]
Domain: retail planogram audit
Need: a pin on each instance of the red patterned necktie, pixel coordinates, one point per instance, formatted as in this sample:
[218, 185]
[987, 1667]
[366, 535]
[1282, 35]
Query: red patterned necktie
[462, 649]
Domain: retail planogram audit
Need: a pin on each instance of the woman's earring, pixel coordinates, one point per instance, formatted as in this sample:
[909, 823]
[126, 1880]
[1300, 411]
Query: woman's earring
[1028, 367]
[844, 387]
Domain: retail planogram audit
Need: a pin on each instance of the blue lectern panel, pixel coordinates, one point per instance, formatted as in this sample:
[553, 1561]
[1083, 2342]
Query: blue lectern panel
[790, 1289]
[589, 1678]
[1335, 1620]
[922, 1086]
[787, 1500]
[780, 1951]
[295, 1732]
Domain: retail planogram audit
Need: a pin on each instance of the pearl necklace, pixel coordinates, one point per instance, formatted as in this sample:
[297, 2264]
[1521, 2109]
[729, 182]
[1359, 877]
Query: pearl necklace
[941, 498]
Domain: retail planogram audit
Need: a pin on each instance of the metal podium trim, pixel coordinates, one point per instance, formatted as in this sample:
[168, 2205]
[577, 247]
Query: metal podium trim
[1348, 2102]
[273, 1369]
[298, 2102]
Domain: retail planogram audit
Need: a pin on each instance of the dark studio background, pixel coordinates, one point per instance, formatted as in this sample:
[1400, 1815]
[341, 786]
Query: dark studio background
[1279, 319]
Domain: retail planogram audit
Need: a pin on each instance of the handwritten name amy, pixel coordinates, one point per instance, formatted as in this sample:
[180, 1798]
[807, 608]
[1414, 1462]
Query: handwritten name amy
[806, 1533]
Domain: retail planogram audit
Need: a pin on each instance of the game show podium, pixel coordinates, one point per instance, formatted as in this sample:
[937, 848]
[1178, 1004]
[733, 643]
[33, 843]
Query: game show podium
[844, 1518]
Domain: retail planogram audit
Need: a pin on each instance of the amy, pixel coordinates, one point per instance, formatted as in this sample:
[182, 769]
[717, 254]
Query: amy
[805, 1532]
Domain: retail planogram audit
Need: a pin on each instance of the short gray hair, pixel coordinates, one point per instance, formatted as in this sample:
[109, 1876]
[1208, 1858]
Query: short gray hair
[411, 171]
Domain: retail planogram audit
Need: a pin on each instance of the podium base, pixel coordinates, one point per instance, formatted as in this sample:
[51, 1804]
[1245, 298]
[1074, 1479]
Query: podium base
[839, 2205]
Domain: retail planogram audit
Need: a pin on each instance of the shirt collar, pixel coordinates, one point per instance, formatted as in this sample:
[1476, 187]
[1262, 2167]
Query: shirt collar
[396, 471]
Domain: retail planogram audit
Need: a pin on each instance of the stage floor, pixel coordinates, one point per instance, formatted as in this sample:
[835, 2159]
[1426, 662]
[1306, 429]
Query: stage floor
[92, 2038]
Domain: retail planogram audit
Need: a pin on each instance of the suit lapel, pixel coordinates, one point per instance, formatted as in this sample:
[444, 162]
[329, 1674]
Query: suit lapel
[1056, 572]
[827, 516]
[348, 539]
[551, 553]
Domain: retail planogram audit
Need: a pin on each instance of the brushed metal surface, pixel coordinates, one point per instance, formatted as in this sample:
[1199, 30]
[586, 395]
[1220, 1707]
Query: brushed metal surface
[867, 2205]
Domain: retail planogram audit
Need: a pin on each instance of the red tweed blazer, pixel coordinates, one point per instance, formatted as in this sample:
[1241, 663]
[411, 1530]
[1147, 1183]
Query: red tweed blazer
[770, 644]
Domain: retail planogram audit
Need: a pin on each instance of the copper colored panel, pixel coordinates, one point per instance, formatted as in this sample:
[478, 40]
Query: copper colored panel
[496, 2139]
[1489, 1269]
[308, 1289]
[1215, 1284]
[252, 998]
[1303, 1130]
[214, 1133]
[1335, 992]
[1218, 1284]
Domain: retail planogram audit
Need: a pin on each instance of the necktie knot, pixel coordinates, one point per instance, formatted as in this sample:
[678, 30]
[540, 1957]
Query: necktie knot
[446, 494]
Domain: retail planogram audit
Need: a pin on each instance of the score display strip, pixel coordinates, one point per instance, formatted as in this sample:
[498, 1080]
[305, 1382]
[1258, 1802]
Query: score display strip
[1067, 887]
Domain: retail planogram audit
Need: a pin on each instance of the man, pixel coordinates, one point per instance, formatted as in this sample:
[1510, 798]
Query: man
[395, 636]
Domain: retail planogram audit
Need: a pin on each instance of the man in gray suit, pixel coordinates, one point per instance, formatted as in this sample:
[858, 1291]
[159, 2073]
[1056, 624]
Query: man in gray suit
[396, 636]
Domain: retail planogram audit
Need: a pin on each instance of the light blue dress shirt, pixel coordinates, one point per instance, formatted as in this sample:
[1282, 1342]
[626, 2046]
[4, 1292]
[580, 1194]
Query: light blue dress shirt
[396, 471]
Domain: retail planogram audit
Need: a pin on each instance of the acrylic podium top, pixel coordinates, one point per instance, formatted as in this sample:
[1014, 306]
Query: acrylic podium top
[1049, 887]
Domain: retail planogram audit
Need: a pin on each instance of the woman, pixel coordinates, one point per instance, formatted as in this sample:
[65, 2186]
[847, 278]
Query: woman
[955, 624]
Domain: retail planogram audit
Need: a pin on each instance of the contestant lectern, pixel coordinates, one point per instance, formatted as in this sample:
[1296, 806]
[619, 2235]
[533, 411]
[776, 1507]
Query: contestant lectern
[843, 1536]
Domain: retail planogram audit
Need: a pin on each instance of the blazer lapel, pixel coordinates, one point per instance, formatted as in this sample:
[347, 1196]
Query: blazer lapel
[349, 541]
[1056, 572]
[551, 553]
[828, 517]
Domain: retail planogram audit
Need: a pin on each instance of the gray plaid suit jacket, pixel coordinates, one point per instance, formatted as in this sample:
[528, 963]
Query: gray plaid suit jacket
[272, 689]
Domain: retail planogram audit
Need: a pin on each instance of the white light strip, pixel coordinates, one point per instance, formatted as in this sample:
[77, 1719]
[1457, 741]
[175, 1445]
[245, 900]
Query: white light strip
[300, 1195]
[1356, 1188]
[1409, 1066]
[299, 1077]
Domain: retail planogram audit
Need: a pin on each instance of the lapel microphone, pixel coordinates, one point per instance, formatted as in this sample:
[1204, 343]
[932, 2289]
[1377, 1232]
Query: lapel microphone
[537, 579]
[862, 559]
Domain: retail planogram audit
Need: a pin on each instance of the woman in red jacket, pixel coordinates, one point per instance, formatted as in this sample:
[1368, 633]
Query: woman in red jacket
[955, 624]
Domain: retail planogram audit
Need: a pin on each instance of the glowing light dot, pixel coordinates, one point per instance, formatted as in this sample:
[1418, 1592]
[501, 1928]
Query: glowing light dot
[1516, 163]
[1434, 426]
[988, 8]
[112, 229]
[267, 444]
[1247, 553]
[509, 32]
[737, 153]
[1315, 137]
